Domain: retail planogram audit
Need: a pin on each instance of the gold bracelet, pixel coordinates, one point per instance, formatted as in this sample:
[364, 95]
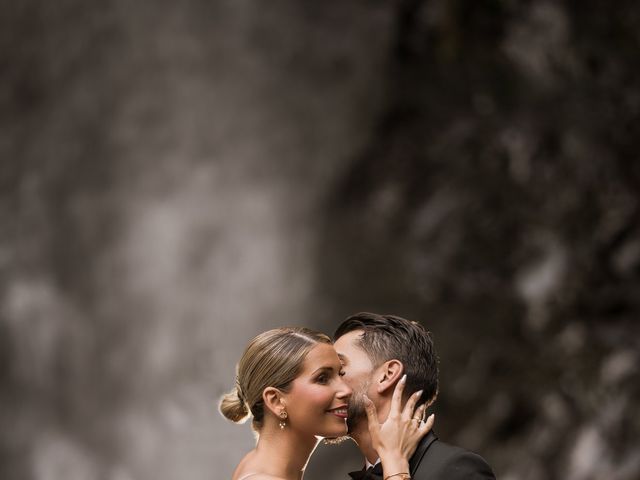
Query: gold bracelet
[407, 477]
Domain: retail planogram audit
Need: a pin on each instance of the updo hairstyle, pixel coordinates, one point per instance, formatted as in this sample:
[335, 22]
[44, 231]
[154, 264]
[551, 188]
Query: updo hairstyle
[272, 359]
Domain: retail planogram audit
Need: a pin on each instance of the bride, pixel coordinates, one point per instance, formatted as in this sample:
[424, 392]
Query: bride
[289, 382]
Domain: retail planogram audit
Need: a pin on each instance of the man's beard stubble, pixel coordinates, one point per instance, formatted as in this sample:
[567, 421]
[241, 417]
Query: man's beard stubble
[356, 412]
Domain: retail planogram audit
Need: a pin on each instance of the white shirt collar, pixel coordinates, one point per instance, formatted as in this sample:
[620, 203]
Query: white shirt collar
[369, 465]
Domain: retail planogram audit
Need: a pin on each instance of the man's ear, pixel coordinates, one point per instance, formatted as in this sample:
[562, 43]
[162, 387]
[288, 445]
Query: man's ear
[274, 400]
[388, 375]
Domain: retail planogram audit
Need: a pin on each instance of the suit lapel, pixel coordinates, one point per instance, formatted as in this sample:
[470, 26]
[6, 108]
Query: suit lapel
[423, 446]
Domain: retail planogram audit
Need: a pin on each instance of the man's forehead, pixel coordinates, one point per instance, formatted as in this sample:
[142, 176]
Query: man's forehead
[348, 344]
[351, 336]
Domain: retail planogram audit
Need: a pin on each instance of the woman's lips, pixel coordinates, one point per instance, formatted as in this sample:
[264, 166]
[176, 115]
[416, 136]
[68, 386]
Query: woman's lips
[340, 412]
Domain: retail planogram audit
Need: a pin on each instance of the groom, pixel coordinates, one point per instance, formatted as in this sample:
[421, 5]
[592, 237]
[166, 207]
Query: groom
[376, 351]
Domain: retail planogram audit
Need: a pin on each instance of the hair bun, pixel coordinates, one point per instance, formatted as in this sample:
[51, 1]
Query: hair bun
[232, 407]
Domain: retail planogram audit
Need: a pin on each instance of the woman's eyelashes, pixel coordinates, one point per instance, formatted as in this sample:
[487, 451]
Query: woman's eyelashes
[327, 375]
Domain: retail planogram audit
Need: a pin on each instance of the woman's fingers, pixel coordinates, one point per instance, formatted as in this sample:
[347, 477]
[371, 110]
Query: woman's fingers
[418, 415]
[427, 424]
[408, 412]
[372, 415]
[396, 399]
[422, 428]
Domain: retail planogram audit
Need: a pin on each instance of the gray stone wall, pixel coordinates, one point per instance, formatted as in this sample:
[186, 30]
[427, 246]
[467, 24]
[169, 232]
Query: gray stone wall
[176, 177]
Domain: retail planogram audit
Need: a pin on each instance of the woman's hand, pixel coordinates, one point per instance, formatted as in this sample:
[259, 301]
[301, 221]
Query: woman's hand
[397, 438]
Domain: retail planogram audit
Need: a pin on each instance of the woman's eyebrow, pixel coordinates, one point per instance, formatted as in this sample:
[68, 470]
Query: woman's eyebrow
[322, 368]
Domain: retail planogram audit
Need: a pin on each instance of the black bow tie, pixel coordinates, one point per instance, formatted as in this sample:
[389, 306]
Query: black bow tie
[371, 473]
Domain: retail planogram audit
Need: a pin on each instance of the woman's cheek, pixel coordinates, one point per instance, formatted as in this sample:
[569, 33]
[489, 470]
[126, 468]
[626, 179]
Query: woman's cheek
[321, 395]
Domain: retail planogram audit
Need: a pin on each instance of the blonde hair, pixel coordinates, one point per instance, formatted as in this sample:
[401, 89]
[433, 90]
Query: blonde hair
[272, 359]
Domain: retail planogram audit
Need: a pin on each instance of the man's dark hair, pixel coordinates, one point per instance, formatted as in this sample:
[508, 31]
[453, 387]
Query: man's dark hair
[387, 337]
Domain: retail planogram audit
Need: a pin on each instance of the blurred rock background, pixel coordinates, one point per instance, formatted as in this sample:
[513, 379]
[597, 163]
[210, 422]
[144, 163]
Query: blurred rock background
[179, 176]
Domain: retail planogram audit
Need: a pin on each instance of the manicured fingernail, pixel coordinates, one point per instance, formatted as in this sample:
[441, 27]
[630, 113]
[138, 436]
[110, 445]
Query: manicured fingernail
[419, 393]
[404, 378]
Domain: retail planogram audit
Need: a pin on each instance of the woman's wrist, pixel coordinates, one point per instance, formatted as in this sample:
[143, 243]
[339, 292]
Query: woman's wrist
[393, 463]
[399, 476]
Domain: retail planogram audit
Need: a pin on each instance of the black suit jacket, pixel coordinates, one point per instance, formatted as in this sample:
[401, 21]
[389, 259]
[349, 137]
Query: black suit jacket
[435, 460]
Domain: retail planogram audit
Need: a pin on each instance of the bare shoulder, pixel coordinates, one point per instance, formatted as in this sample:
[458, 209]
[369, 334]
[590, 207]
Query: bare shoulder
[249, 467]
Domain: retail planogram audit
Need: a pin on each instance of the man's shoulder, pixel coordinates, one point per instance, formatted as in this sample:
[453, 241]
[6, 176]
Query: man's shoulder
[444, 461]
[446, 450]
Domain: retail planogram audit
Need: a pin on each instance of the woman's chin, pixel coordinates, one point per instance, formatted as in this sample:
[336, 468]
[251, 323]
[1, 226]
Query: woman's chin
[335, 432]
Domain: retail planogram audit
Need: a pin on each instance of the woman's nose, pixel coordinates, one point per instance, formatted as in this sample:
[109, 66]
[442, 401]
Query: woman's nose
[344, 391]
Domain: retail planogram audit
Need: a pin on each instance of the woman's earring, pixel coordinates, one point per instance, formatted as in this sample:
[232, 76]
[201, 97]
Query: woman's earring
[283, 418]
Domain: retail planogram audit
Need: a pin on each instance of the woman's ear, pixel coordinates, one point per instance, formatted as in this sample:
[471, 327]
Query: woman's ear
[389, 374]
[274, 400]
